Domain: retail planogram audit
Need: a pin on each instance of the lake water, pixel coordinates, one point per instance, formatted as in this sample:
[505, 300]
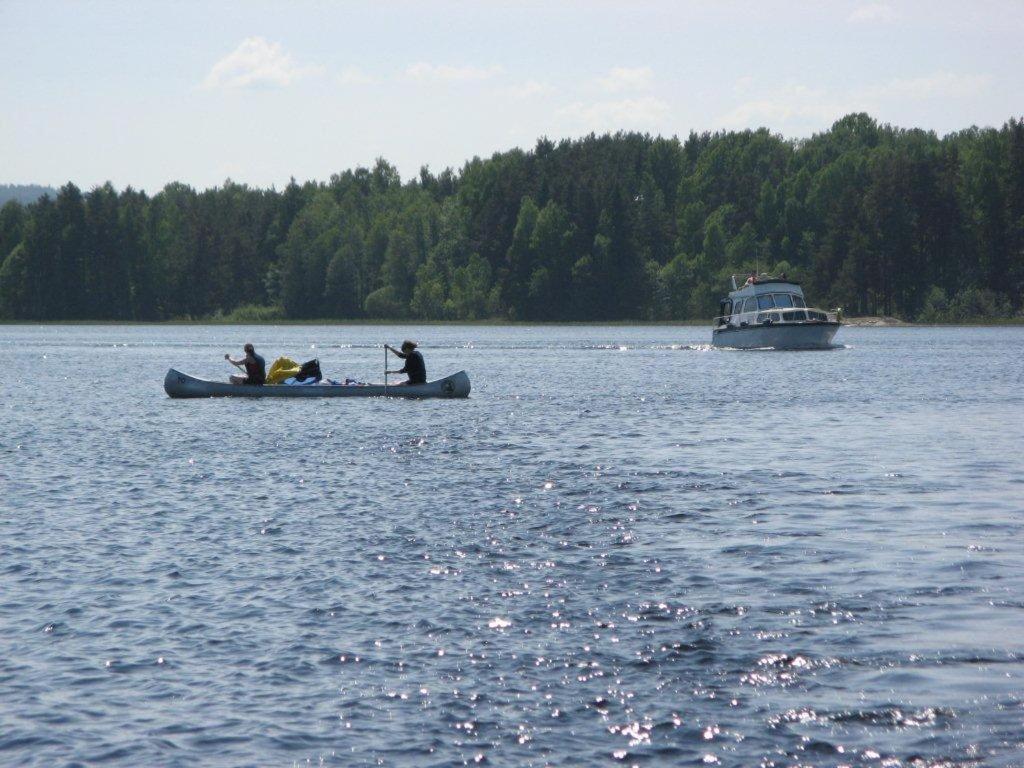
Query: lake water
[626, 548]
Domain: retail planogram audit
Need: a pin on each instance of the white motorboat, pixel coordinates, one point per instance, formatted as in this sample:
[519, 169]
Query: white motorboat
[770, 313]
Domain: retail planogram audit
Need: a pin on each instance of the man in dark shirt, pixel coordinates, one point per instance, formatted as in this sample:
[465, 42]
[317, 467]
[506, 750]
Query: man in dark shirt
[255, 367]
[414, 365]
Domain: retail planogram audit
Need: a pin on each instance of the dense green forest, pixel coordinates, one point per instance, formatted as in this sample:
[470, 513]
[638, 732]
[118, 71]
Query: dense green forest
[872, 218]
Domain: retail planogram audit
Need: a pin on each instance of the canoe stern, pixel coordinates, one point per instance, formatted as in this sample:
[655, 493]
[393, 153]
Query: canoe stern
[178, 384]
[456, 385]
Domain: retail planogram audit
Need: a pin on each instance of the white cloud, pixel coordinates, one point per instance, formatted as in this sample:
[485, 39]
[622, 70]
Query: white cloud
[643, 112]
[872, 13]
[790, 104]
[944, 85]
[530, 88]
[798, 107]
[355, 76]
[256, 62]
[621, 79]
[447, 73]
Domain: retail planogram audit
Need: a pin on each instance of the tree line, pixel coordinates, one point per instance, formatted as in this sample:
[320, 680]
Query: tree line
[23, 193]
[873, 218]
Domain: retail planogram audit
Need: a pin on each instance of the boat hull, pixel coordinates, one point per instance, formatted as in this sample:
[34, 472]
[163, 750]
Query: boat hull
[782, 336]
[177, 385]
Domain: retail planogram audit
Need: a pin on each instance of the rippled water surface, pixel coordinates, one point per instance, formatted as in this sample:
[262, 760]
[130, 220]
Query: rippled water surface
[625, 548]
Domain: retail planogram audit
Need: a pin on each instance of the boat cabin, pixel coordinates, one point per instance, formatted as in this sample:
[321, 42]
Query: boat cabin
[766, 301]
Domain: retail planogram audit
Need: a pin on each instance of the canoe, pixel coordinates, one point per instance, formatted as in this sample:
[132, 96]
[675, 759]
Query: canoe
[178, 384]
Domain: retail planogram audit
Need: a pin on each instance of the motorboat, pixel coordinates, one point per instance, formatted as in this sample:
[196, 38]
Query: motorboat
[766, 312]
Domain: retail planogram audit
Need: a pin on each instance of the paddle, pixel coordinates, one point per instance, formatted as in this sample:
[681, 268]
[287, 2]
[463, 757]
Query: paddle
[385, 369]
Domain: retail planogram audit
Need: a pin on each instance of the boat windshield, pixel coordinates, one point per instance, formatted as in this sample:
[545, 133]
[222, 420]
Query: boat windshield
[765, 301]
[798, 301]
[783, 300]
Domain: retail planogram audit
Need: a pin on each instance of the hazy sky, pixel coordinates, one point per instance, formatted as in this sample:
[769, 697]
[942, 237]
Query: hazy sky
[143, 93]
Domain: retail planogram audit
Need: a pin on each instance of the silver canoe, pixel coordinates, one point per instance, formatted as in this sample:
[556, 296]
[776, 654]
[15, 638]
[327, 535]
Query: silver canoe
[782, 336]
[178, 384]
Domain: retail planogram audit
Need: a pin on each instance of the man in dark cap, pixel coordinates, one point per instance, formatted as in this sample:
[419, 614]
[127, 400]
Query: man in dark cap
[414, 365]
[255, 367]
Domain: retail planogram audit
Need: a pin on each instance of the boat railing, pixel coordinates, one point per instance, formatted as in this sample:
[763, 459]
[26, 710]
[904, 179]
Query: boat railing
[779, 315]
[762, 277]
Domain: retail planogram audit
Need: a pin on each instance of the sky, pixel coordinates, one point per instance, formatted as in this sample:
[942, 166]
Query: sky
[145, 93]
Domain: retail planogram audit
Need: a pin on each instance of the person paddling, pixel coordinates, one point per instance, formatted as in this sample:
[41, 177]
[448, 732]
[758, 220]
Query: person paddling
[255, 367]
[414, 365]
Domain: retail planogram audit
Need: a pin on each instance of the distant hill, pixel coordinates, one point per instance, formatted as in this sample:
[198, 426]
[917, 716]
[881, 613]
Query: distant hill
[24, 193]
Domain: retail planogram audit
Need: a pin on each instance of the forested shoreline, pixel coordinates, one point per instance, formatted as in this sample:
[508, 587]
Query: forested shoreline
[869, 217]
